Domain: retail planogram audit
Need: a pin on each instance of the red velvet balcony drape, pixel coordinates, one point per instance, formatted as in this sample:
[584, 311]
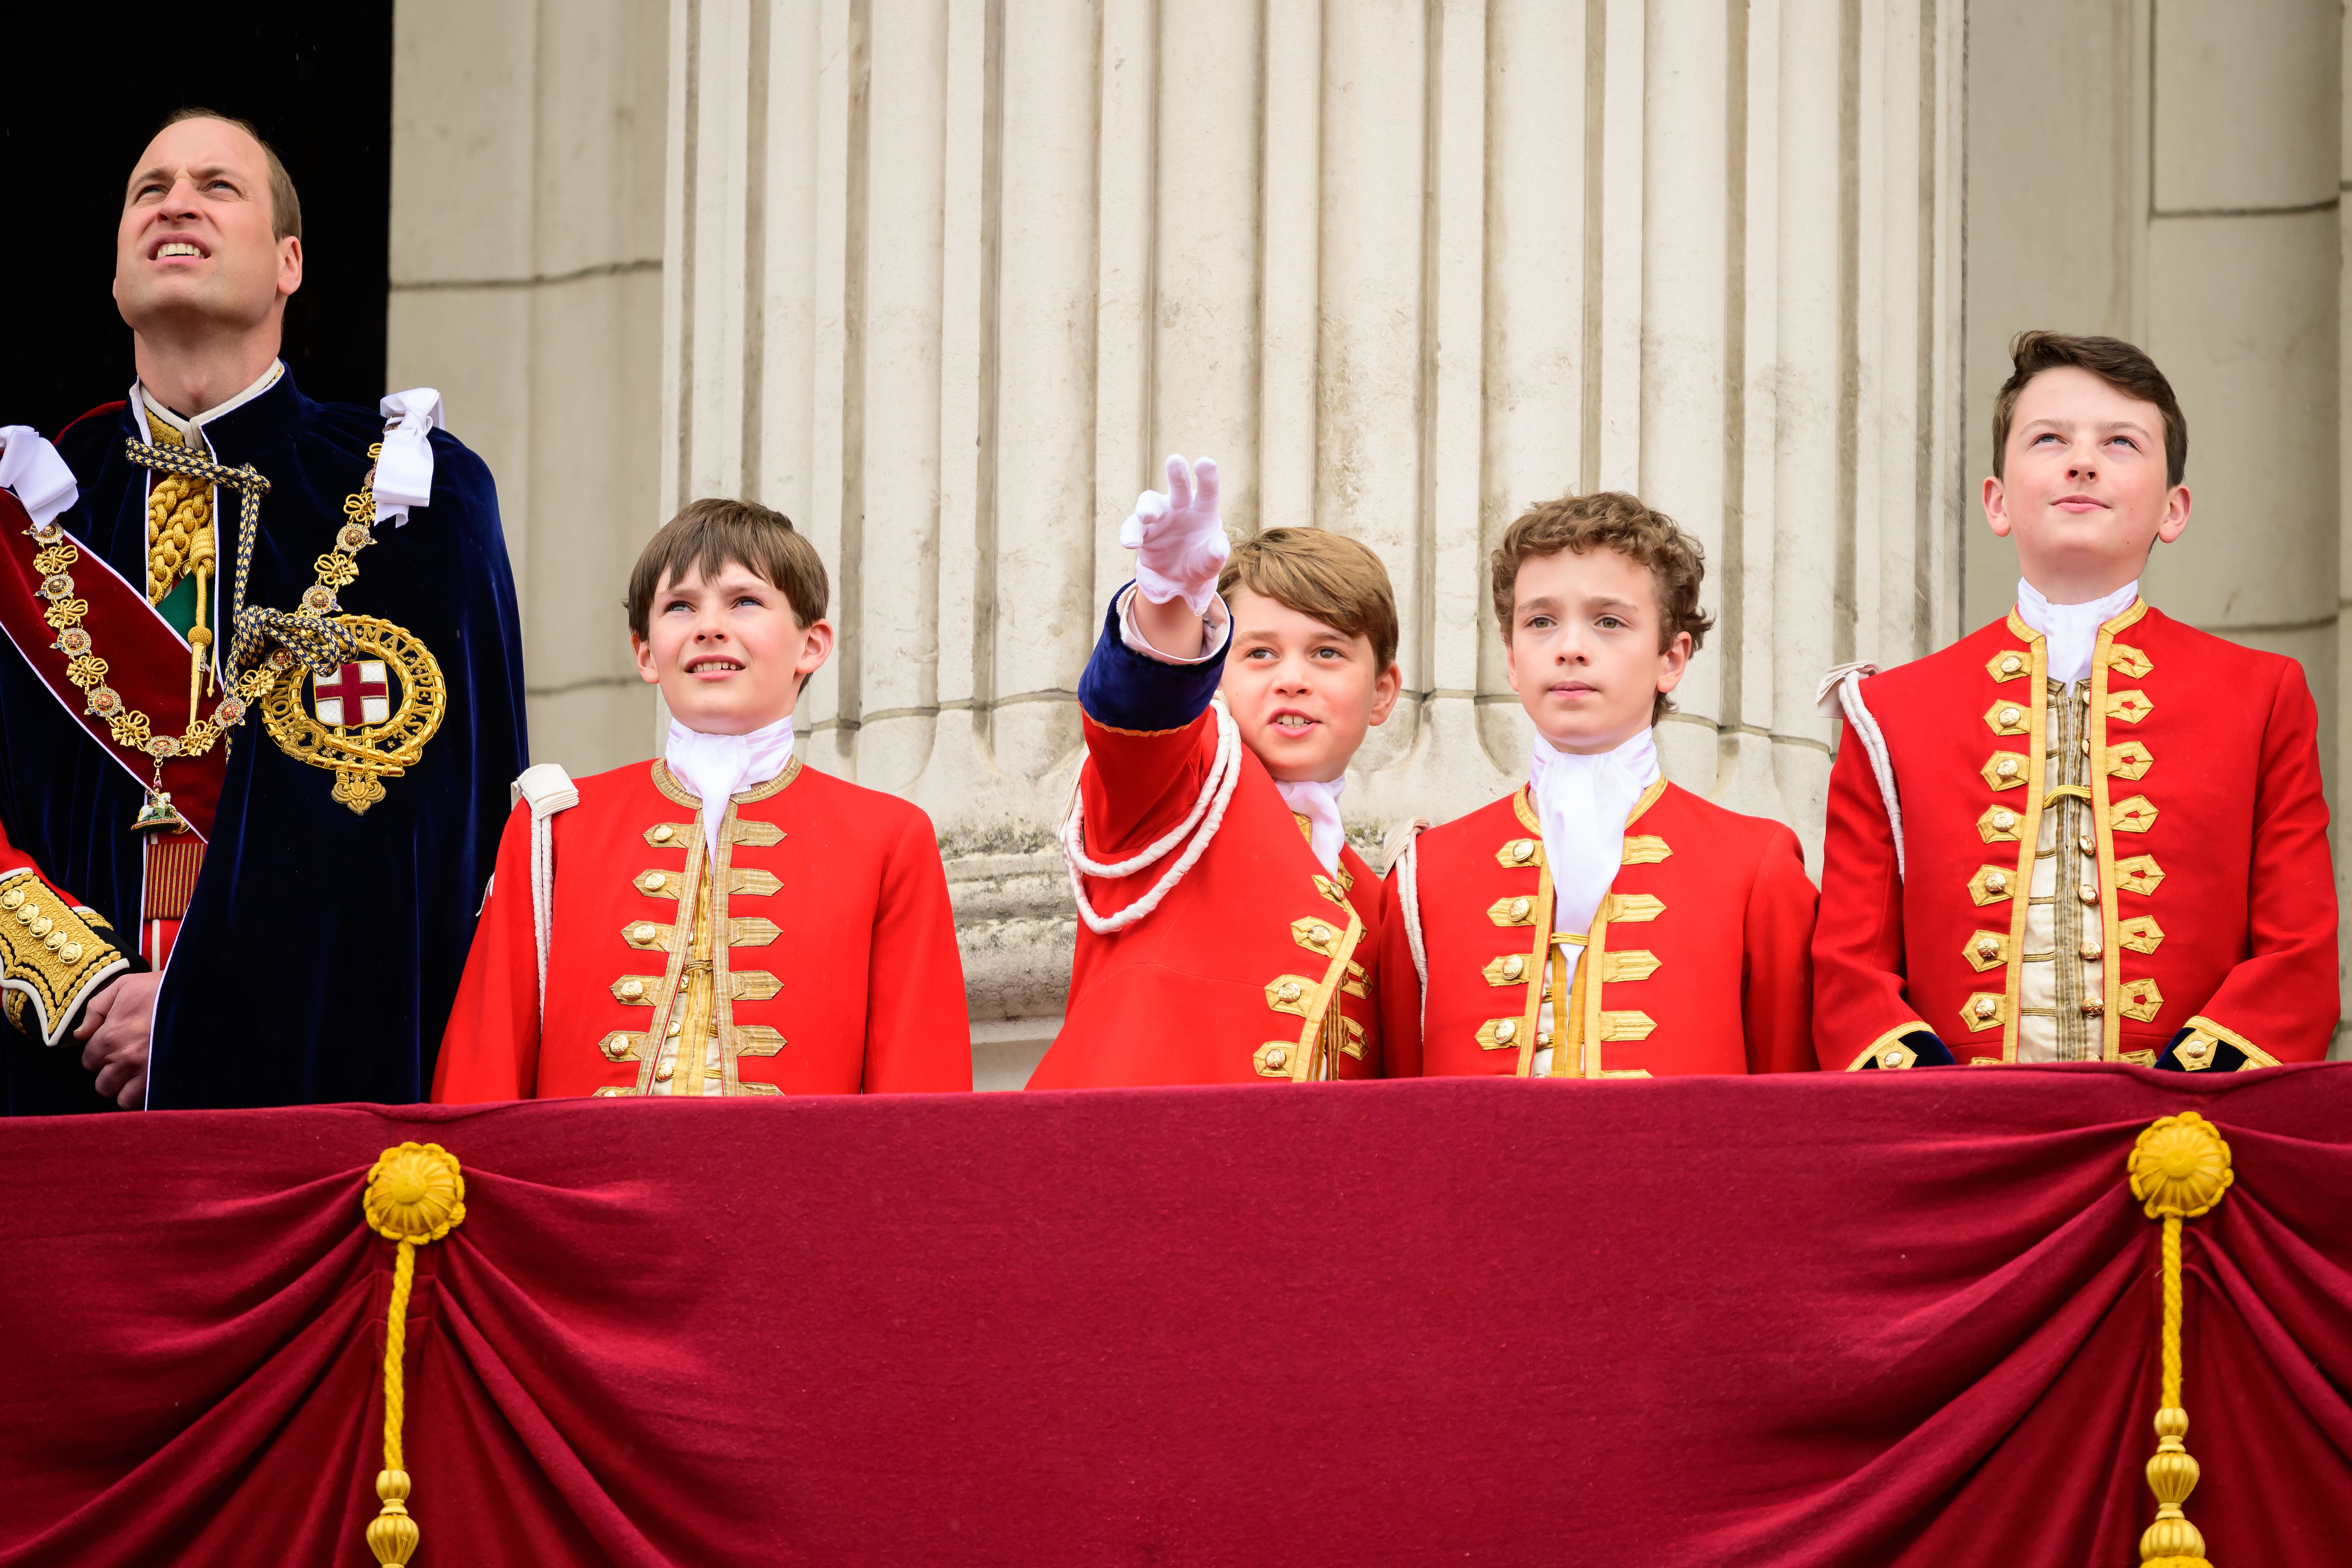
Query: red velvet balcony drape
[1820, 1319]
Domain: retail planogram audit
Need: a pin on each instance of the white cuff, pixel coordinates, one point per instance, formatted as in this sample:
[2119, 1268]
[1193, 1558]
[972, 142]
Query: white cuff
[404, 471]
[1216, 624]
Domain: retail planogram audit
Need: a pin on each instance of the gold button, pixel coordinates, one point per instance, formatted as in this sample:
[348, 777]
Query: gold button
[642, 931]
[2011, 664]
[632, 989]
[1320, 933]
[2088, 892]
[665, 1072]
[1543, 1036]
[12, 898]
[2092, 1007]
[677, 1027]
[71, 952]
[2195, 1047]
[2004, 820]
[1892, 1057]
[54, 941]
[1986, 1006]
[1505, 1031]
[1277, 1057]
[662, 834]
[1290, 991]
[656, 882]
[1988, 947]
[2089, 845]
[1520, 907]
[25, 912]
[41, 927]
[1996, 882]
[2086, 745]
[1513, 966]
[2009, 715]
[1523, 850]
[2092, 952]
[2008, 768]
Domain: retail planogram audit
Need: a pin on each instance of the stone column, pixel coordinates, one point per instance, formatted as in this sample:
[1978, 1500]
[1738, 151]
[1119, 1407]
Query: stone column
[950, 276]
[526, 261]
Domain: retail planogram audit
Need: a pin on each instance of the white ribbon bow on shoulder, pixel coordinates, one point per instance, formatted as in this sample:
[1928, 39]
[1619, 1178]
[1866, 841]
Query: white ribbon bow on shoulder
[403, 472]
[31, 466]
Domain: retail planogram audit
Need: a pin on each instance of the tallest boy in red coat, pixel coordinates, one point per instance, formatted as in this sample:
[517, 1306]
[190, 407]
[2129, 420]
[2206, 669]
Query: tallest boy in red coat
[2087, 832]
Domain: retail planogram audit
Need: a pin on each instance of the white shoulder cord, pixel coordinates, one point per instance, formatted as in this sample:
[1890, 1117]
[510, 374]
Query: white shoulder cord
[1216, 790]
[1404, 862]
[1845, 683]
[550, 790]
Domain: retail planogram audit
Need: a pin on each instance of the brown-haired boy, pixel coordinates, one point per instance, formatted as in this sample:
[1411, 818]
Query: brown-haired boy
[721, 921]
[1226, 930]
[2085, 832]
[1676, 930]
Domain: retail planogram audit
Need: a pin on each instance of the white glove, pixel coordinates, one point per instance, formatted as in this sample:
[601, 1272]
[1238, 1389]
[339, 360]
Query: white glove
[1179, 541]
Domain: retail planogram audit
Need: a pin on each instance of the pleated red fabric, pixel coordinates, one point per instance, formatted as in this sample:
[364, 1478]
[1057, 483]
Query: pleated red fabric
[1803, 1319]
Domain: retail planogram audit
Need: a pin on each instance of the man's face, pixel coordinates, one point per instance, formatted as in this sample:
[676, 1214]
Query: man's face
[195, 240]
[1583, 650]
[1302, 693]
[729, 654]
[2083, 487]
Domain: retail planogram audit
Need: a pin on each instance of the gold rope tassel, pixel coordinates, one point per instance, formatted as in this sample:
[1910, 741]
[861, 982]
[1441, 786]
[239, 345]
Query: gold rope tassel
[415, 1194]
[2180, 1168]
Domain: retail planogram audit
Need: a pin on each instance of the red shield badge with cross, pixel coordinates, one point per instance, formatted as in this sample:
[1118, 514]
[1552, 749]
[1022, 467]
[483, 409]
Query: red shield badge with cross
[358, 693]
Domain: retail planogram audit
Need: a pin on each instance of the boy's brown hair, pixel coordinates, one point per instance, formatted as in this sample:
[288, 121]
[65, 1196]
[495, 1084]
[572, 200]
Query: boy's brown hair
[1611, 519]
[1325, 576]
[2120, 364]
[712, 534]
[285, 207]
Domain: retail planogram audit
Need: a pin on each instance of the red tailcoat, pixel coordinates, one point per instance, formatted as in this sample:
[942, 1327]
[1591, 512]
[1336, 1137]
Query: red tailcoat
[2213, 887]
[838, 972]
[1238, 975]
[56, 951]
[1696, 962]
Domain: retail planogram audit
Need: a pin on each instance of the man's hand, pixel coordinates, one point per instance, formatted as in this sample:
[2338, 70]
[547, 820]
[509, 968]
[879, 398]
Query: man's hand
[114, 1027]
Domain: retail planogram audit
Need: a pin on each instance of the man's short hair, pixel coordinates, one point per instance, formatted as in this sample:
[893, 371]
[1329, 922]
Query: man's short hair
[713, 534]
[1610, 519]
[1325, 576]
[285, 207]
[2120, 364]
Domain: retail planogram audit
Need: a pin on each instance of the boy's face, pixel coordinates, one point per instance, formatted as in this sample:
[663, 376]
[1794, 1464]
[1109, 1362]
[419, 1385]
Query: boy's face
[1583, 650]
[1301, 693]
[2084, 489]
[728, 653]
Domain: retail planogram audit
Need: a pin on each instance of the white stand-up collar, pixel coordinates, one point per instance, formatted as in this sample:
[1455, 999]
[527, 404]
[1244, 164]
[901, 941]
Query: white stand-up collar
[1583, 802]
[141, 398]
[1318, 803]
[2070, 633]
[717, 766]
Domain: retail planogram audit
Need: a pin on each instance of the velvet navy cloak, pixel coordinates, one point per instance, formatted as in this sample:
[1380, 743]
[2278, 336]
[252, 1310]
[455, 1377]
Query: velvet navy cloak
[321, 949]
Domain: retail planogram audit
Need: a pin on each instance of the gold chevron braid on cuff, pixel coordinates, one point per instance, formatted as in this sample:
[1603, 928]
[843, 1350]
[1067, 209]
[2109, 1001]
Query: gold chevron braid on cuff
[49, 956]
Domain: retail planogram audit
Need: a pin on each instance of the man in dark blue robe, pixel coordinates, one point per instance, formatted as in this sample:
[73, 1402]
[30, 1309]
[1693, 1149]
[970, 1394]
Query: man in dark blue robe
[338, 713]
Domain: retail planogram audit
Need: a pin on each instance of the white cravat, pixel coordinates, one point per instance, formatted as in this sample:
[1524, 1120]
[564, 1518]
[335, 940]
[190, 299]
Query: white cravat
[1318, 803]
[1583, 803]
[717, 766]
[2071, 632]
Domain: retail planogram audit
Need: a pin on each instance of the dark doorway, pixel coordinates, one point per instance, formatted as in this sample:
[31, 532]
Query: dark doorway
[316, 81]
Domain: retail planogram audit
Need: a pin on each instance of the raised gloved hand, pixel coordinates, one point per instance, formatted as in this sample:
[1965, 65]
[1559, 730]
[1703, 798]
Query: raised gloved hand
[1177, 538]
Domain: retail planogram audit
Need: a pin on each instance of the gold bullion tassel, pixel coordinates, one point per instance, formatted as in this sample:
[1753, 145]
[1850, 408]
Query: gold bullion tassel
[2180, 1168]
[415, 1194]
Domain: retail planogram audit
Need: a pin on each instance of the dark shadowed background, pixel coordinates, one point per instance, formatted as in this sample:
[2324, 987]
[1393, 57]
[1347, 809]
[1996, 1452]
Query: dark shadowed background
[80, 107]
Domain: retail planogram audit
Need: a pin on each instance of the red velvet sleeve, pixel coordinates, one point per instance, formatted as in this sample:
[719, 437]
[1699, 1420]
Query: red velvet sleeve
[490, 1049]
[1400, 990]
[1858, 973]
[917, 1027]
[1778, 1001]
[2282, 997]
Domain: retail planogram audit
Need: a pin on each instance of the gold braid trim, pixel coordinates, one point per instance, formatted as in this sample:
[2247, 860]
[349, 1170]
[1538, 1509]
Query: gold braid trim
[51, 960]
[415, 1194]
[179, 518]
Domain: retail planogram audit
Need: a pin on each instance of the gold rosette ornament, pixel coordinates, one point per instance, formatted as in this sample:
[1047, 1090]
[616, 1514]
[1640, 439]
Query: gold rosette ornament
[2180, 1168]
[415, 1194]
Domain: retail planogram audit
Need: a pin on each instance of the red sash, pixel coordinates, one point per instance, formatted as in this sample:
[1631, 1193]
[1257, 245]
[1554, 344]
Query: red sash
[146, 661]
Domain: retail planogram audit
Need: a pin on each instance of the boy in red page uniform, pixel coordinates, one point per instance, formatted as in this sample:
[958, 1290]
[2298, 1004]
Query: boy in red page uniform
[722, 921]
[1227, 929]
[1675, 930]
[2085, 832]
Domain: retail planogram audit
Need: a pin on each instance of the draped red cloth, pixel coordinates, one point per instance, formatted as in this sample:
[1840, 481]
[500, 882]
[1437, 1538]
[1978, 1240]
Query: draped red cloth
[1806, 1320]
